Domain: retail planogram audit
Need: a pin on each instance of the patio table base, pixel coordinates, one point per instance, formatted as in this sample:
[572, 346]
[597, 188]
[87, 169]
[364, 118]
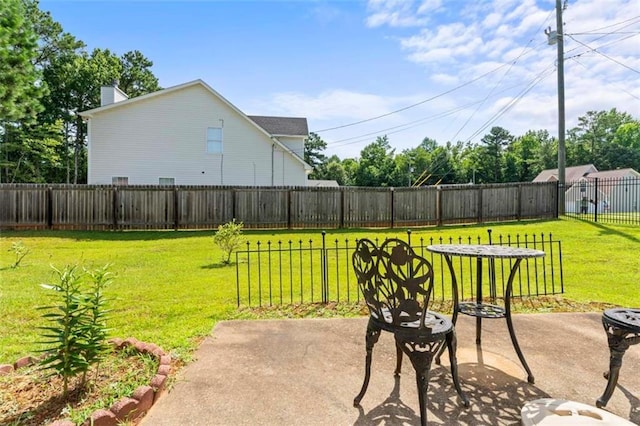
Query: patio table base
[622, 326]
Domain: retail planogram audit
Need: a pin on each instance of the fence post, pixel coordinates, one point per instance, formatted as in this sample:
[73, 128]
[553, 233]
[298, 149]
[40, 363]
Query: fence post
[49, 207]
[480, 204]
[176, 205]
[114, 209]
[595, 208]
[342, 203]
[289, 208]
[392, 208]
[557, 215]
[325, 272]
[519, 200]
[439, 205]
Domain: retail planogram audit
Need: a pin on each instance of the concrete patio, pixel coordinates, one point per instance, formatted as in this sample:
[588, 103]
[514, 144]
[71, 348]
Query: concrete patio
[307, 371]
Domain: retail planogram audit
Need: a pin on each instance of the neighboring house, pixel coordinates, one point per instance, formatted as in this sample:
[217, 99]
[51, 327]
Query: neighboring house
[319, 183]
[571, 174]
[613, 191]
[190, 135]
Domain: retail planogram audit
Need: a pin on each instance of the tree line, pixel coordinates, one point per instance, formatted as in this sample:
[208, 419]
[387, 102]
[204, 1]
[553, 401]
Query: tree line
[47, 76]
[607, 139]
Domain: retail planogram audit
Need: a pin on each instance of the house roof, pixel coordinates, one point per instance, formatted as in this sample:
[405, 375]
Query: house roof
[614, 174]
[92, 112]
[282, 126]
[571, 174]
[319, 183]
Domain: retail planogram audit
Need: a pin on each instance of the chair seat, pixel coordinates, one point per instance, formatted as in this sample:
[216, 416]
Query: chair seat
[436, 325]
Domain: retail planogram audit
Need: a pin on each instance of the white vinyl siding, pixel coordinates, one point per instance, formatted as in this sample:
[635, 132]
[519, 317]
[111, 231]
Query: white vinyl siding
[166, 181]
[164, 136]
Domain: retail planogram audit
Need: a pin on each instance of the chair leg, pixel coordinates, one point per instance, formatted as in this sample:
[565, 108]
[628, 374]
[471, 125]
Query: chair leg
[398, 359]
[451, 346]
[371, 338]
[422, 380]
[421, 355]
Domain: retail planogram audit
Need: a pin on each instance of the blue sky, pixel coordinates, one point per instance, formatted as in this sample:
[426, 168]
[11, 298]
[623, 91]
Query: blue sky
[465, 65]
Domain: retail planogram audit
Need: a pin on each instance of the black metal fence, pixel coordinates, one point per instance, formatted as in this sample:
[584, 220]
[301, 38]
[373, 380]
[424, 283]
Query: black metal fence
[605, 200]
[308, 271]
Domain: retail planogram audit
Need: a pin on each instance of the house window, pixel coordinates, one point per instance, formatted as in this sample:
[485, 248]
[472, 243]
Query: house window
[214, 140]
[167, 181]
[120, 180]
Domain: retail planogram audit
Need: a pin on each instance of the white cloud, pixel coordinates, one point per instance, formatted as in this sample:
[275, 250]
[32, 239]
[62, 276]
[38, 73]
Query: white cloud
[400, 13]
[331, 104]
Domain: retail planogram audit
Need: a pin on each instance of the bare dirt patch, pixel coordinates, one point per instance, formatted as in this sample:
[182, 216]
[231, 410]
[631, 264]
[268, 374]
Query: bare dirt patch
[31, 396]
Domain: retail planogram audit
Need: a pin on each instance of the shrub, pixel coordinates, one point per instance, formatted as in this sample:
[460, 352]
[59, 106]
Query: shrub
[229, 238]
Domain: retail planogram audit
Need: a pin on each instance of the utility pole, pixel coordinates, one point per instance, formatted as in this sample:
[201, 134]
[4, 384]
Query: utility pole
[561, 127]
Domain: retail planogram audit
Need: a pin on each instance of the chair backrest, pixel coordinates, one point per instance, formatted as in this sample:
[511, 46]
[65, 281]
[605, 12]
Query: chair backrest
[395, 282]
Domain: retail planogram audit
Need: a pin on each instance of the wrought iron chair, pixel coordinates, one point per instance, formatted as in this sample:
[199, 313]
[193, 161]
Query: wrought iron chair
[397, 286]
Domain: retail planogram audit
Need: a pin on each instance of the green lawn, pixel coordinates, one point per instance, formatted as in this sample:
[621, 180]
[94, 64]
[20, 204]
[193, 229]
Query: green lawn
[171, 289]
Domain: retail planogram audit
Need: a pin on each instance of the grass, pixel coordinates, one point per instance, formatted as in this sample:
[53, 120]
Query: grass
[171, 287]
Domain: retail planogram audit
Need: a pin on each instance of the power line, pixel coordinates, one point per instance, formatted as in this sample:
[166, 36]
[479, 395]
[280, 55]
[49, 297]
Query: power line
[415, 123]
[609, 83]
[524, 49]
[413, 105]
[611, 25]
[595, 50]
[512, 103]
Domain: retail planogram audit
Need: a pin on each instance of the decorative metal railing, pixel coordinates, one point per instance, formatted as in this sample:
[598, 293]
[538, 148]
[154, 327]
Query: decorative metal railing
[307, 271]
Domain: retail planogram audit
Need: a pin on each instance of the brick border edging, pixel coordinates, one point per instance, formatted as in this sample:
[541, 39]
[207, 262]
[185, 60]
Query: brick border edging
[127, 408]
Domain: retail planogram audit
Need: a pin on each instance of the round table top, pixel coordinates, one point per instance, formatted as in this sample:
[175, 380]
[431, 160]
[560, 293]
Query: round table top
[557, 412]
[627, 318]
[485, 251]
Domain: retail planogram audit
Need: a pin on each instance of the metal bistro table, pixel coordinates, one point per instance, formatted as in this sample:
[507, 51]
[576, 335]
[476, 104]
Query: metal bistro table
[479, 308]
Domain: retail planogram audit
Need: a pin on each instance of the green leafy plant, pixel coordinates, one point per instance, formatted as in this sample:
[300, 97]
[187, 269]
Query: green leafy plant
[95, 328]
[229, 238]
[77, 336]
[66, 334]
[20, 251]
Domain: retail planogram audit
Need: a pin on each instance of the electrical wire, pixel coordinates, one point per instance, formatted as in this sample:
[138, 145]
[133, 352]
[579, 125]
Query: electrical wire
[513, 102]
[414, 105]
[608, 83]
[595, 50]
[415, 123]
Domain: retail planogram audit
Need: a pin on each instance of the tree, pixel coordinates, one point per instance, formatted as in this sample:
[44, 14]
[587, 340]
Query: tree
[136, 77]
[491, 156]
[625, 150]
[376, 164]
[313, 156]
[332, 169]
[590, 141]
[20, 88]
[30, 153]
[525, 156]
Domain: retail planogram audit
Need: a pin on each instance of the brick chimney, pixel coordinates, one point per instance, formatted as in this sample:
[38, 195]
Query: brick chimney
[111, 94]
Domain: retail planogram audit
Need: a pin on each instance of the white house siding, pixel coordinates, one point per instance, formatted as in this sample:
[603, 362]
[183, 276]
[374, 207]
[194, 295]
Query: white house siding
[165, 136]
[295, 144]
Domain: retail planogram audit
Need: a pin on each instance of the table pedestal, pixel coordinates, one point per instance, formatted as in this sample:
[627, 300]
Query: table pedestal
[623, 330]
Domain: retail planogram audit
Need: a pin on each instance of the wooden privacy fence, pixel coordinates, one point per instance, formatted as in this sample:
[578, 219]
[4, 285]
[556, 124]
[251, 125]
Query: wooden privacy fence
[103, 207]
